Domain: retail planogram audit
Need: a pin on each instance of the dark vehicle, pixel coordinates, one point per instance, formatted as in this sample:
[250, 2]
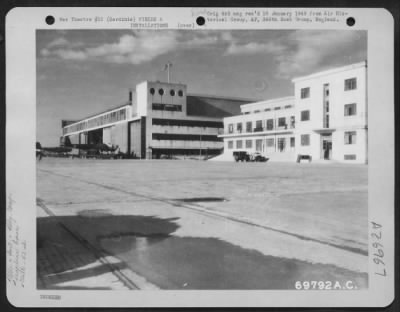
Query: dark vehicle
[244, 156]
[241, 155]
[301, 157]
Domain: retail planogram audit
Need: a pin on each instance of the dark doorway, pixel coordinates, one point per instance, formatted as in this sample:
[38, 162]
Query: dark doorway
[326, 145]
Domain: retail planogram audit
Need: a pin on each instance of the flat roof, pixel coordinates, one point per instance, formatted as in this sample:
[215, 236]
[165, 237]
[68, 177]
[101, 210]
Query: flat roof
[331, 71]
[268, 102]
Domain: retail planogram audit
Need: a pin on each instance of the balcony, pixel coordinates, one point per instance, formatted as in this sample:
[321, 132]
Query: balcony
[259, 129]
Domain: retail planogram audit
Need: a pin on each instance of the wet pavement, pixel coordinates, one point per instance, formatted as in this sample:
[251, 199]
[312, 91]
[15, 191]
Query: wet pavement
[199, 225]
[209, 263]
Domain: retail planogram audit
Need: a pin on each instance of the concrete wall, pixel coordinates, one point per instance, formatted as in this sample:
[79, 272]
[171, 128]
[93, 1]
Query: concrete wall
[108, 138]
[359, 149]
[338, 123]
[135, 138]
[185, 130]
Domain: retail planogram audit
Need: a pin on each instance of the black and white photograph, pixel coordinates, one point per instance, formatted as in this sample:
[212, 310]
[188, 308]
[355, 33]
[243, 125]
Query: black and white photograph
[182, 160]
[207, 159]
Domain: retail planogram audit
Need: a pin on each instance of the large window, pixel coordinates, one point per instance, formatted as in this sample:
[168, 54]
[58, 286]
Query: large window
[101, 120]
[258, 145]
[258, 126]
[350, 84]
[305, 139]
[292, 142]
[281, 122]
[350, 137]
[249, 143]
[167, 107]
[270, 142]
[230, 128]
[239, 127]
[281, 144]
[326, 121]
[305, 93]
[305, 115]
[248, 126]
[230, 144]
[350, 109]
[270, 124]
[292, 122]
[239, 144]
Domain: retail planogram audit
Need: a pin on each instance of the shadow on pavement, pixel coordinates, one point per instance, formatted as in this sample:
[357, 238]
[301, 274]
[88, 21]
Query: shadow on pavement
[63, 259]
[146, 246]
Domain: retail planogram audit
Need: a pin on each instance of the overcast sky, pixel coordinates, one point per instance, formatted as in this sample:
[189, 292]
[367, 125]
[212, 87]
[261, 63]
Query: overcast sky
[81, 72]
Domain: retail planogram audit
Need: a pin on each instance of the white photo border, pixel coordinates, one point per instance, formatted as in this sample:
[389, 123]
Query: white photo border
[21, 26]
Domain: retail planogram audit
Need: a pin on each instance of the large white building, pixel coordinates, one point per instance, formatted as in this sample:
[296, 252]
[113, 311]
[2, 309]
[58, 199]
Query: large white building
[159, 119]
[326, 120]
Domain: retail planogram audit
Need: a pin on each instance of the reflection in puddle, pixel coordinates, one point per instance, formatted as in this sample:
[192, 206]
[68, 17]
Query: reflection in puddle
[173, 262]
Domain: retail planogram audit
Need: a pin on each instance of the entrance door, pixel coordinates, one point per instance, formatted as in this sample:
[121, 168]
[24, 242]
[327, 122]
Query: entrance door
[326, 147]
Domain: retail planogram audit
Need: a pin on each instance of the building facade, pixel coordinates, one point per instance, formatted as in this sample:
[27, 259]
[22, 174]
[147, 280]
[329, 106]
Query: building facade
[326, 119]
[266, 127]
[159, 119]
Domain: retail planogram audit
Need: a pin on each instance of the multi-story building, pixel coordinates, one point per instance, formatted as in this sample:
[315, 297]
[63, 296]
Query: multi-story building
[159, 119]
[326, 119]
[266, 127]
[331, 109]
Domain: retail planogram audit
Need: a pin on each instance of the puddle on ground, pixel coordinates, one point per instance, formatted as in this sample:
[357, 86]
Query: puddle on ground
[201, 199]
[172, 262]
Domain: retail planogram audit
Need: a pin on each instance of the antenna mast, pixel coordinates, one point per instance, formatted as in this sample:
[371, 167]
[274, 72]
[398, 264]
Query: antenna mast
[168, 68]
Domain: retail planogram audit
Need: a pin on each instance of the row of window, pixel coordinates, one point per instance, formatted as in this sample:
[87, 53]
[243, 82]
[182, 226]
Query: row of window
[167, 107]
[349, 110]
[161, 92]
[185, 137]
[186, 123]
[270, 124]
[349, 138]
[270, 142]
[349, 84]
[268, 109]
[97, 121]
